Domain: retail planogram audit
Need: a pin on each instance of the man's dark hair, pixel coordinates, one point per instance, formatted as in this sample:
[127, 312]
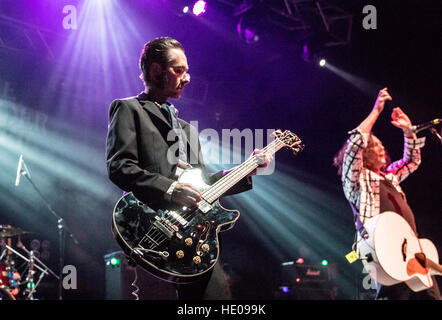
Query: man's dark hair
[156, 50]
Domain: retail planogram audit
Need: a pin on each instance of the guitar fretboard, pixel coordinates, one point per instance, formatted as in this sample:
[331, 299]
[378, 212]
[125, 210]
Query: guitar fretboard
[240, 172]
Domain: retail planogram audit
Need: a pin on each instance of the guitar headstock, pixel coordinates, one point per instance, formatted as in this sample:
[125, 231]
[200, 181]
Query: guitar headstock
[290, 140]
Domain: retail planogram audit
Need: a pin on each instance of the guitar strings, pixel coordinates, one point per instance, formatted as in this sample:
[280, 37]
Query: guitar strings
[224, 183]
[245, 168]
[221, 186]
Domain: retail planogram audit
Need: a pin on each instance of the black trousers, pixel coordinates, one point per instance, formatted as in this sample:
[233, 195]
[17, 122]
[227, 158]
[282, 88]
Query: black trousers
[401, 291]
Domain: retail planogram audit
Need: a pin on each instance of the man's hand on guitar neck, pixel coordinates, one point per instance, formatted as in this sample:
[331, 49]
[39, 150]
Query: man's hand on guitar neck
[263, 161]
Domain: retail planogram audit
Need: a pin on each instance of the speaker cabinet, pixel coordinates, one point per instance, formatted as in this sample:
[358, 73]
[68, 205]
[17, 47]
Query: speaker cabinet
[119, 276]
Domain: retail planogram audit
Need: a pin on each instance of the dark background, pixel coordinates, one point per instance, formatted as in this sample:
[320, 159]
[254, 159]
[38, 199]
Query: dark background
[54, 112]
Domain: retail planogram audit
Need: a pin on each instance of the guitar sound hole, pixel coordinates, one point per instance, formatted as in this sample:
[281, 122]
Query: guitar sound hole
[404, 250]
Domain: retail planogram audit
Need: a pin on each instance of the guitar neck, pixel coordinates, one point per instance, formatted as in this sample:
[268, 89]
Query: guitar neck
[435, 268]
[240, 172]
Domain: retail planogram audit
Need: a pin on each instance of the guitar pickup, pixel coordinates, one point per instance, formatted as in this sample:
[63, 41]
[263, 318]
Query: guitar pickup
[178, 218]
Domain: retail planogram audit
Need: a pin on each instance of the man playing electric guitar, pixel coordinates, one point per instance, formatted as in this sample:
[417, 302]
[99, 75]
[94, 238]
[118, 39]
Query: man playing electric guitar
[142, 158]
[371, 183]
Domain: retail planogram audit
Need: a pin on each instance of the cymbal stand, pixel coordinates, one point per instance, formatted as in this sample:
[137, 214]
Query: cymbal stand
[3, 253]
[45, 271]
[30, 277]
[21, 246]
[30, 296]
[33, 262]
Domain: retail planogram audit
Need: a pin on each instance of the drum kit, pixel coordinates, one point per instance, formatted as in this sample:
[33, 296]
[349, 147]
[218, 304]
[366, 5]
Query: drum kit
[20, 272]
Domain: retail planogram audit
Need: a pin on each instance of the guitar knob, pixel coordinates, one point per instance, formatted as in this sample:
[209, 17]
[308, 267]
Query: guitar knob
[205, 247]
[180, 254]
[188, 242]
[196, 260]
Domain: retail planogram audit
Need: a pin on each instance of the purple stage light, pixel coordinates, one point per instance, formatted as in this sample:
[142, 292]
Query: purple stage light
[246, 32]
[199, 7]
[250, 36]
[285, 289]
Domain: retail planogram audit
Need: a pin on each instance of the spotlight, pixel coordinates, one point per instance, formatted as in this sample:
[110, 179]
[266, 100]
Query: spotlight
[322, 62]
[186, 9]
[324, 262]
[285, 289]
[199, 7]
[246, 31]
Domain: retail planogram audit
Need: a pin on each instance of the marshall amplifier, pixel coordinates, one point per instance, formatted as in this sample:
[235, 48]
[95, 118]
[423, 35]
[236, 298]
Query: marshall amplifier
[299, 274]
[305, 282]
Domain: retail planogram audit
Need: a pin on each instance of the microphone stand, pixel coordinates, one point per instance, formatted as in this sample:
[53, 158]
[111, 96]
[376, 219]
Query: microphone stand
[434, 131]
[62, 229]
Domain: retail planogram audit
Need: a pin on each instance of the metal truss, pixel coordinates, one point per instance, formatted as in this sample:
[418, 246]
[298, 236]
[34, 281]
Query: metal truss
[16, 35]
[308, 17]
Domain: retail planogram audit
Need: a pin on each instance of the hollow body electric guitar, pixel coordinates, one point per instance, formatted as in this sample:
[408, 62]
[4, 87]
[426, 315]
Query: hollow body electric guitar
[393, 253]
[180, 244]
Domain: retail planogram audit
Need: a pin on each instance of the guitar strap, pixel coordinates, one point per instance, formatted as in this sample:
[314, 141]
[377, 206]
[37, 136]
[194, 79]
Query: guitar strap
[359, 225]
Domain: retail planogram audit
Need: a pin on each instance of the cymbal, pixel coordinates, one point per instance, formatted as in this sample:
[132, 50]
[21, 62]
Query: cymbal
[7, 231]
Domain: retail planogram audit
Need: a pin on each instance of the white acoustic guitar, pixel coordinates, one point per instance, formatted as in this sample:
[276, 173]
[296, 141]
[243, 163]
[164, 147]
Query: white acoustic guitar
[393, 253]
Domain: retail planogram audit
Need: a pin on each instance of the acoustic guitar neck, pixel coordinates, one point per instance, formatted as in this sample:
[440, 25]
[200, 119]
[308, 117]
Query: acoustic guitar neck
[435, 268]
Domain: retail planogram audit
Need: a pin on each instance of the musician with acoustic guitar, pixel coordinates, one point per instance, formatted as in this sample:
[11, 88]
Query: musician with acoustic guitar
[371, 183]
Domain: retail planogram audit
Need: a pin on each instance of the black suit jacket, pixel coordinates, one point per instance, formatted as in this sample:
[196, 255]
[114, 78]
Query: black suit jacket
[137, 147]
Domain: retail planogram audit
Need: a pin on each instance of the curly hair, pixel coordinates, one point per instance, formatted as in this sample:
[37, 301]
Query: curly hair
[338, 159]
[156, 50]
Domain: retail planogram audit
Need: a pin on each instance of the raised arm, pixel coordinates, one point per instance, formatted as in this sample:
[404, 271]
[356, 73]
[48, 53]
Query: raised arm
[352, 162]
[412, 157]
[367, 124]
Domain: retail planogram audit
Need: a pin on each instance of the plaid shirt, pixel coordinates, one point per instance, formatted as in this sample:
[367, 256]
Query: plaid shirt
[361, 186]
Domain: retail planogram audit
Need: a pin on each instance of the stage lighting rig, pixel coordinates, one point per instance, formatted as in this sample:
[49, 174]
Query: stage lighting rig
[296, 19]
[197, 8]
